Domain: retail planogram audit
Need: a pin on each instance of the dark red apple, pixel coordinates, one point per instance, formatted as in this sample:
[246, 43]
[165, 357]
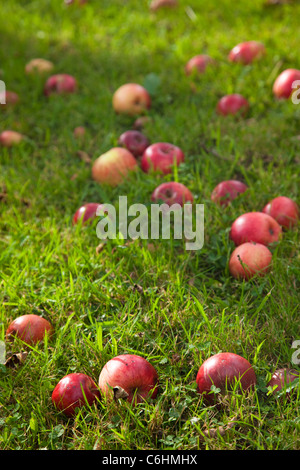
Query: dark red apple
[39, 66]
[198, 64]
[131, 99]
[282, 379]
[226, 371]
[161, 157]
[250, 259]
[246, 52]
[113, 166]
[10, 138]
[29, 328]
[9, 98]
[129, 376]
[73, 391]
[61, 83]
[172, 193]
[232, 104]
[284, 210]
[227, 191]
[86, 213]
[282, 87]
[134, 141]
[255, 227]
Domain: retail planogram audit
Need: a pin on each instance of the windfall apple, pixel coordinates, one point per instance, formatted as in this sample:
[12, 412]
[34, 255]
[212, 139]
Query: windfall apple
[197, 64]
[284, 210]
[29, 328]
[172, 193]
[131, 99]
[227, 191]
[161, 157]
[113, 166]
[255, 227]
[61, 83]
[134, 141]
[250, 259]
[283, 85]
[10, 138]
[247, 52]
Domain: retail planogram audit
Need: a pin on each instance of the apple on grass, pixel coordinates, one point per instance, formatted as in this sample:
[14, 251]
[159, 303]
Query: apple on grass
[131, 99]
[113, 166]
[9, 98]
[39, 66]
[281, 381]
[157, 4]
[284, 210]
[10, 138]
[227, 191]
[250, 259]
[172, 193]
[79, 132]
[29, 328]
[134, 141]
[197, 64]
[255, 227]
[87, 212]
[161, 157]
[246, 52]
[61, 83]
[282, 87]
[74, 391]
[233, 104]
[129, 376]
[227, 372]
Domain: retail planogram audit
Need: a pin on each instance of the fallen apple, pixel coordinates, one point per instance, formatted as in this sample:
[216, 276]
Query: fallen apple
[39, 66]
[29, 328]
[233, 104]
[131, 99]
[113, 166]
[161, 157]
[246, 52]
[227, 191]
[226, 371]
[134, 141]
[250, 259]
[284, 210]
[157, 4]
[74, 391]
[255, 227]
[282, 87]
[197, 64]
[79, 132]
[129, 376]
[140, 122]
[9, 98]
[61, 83]
[10, 138]
[172, 193]
[86, 213]
[281, 381]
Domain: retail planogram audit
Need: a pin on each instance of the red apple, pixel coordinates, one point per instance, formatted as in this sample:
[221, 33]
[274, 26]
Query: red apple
[79, 132]
[129, 376]
[38, 66]
[255, 227]
[232, 104]
[172, 193]
[225, 371]
[29, 328]
[227, 191]
[249, 259]
[9, 138]
[86, 213]
[161, 157]
[141, 122]
[157, 4]
[61, 83]
[73, 391]
[282, 87]
[8, 98]
[246, 52]
[113, 166]
[131, 99]
[282, 378]
[198, 64]
[135, 141]
[284, 210]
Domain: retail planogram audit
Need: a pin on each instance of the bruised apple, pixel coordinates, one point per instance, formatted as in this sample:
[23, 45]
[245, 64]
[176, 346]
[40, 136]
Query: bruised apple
[113, 166]
[161, 157]
[74, 391]
[130, 377]
[172, 193]
[226, 371]
[255, 227]
[232, 104]
[250, 259]
[227, 191]
[246, 52]
[29, 328]
[284, 210]
[131, 99]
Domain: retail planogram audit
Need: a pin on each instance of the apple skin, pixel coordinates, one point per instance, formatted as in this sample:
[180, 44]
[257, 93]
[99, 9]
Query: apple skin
[227, 191]
[60, 83]
[284, 210]
[250, 259]
[134, 141]
[11, 98]
[232, 104]
[86, 213]
[198, 64]
[39, 66]
[246, 52]
[172, 193]
[283, 378]
[282, 87]
[129, 376]
[113, 166]
[73, 391]
[10, 138]
[255, 227]
[131, 99]
[161, 157]
[222, 370]
[29, 328]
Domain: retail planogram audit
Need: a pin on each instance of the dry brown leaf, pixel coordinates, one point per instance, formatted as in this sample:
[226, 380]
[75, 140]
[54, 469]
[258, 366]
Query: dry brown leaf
[16, 359]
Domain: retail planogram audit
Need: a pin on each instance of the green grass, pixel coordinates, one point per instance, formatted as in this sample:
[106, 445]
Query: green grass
[189, 306]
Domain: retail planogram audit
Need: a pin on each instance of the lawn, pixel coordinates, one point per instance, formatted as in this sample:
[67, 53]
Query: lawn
[152, 298]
